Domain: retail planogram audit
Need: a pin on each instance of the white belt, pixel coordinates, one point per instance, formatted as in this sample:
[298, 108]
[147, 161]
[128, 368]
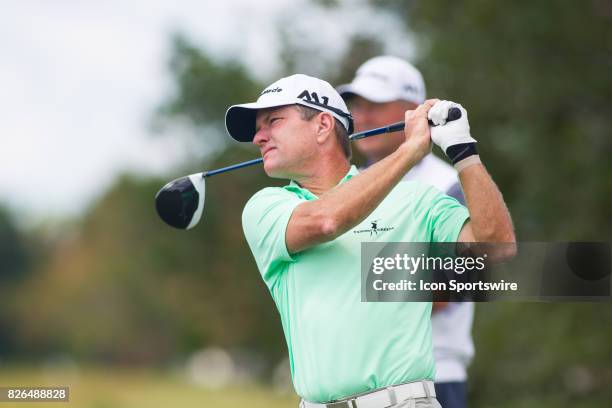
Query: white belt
[381, 398]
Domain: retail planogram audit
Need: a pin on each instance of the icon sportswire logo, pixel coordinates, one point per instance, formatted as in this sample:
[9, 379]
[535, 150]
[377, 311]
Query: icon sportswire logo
[374, 229]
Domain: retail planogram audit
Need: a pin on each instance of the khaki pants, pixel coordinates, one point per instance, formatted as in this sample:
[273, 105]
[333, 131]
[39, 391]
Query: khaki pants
[431, 402]
[417, 394]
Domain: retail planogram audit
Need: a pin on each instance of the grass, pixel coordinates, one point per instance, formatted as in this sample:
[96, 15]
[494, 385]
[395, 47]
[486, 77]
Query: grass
[132, 388]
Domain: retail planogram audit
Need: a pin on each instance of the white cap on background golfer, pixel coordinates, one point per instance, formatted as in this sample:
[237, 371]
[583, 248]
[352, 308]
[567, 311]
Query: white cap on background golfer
[386, 79]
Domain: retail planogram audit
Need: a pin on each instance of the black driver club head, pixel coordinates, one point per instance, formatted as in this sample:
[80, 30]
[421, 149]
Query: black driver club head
[180, 202]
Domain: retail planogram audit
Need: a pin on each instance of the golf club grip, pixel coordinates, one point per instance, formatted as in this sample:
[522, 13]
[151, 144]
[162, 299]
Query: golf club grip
[453, 114]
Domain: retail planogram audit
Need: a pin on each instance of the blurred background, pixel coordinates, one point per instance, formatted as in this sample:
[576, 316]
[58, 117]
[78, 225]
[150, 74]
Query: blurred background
[105, 102]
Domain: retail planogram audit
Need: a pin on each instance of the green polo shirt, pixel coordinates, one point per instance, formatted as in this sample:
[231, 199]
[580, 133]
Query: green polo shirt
[338, 345]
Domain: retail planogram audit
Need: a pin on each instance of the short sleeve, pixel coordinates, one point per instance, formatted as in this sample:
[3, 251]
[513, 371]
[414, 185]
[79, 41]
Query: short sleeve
[264, 222]
[444, 215]
[456, 192]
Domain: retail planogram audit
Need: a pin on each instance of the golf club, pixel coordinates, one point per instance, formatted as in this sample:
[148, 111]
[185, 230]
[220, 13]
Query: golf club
[180, 203]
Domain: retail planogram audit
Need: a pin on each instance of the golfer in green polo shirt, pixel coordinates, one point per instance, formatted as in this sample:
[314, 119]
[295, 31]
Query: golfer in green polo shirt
[306, 239]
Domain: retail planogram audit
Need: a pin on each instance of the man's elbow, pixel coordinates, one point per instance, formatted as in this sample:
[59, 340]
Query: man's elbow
[308, 227]
[503, 245]
[507, 251]
[495, 231]
[329, 227]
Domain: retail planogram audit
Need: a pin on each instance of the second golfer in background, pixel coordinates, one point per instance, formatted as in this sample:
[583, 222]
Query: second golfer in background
[383, 89]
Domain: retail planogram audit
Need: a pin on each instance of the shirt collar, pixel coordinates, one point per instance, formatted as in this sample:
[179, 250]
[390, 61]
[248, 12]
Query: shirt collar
[295, 187]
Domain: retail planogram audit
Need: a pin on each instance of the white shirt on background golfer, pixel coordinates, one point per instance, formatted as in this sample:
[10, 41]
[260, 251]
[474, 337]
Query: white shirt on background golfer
[382, 89]
[451, 326]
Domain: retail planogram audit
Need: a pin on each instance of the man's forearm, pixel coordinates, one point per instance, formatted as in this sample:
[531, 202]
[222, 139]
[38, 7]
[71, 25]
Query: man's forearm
[489, 217]
[336, 211]
[348, 204]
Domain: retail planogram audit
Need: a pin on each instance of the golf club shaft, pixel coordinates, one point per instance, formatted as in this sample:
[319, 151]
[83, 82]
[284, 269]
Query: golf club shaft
[232, 167]
[360, 135]
[394, 127]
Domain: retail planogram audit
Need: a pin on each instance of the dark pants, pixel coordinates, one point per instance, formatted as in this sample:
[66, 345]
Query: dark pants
[451, 394]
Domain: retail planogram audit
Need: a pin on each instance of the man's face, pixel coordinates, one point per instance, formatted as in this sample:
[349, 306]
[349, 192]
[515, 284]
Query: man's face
[369, 115]
[286, 141]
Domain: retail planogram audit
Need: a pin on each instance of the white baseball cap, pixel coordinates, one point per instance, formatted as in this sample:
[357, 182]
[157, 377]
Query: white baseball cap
[295, 89]
[386, 79]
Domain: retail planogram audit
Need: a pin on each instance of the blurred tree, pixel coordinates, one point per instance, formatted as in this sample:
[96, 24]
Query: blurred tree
[360, 49]
[204, 87]
[13, 252]
[534, 77]
[129, 288]
[14, 262]
[535, 80]
[540, 354]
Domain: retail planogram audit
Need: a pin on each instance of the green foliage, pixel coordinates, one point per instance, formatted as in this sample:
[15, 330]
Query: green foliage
[205, 88]
[360, 49]
[15, 255]
[131, 289]
[541, 354]
[534, 77]
[13, 252]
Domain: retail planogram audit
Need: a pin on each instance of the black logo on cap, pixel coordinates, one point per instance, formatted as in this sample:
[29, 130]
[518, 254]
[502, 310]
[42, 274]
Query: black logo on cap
[411, 88]
[312, 97]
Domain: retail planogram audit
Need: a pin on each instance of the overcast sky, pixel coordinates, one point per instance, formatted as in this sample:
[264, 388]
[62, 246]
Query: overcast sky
[79, 80]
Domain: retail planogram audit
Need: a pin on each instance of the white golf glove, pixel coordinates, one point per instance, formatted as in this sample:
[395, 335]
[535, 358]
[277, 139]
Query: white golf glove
[453, 137]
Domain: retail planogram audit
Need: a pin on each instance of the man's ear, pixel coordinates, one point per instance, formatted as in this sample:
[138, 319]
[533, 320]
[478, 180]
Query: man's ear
[325, 126]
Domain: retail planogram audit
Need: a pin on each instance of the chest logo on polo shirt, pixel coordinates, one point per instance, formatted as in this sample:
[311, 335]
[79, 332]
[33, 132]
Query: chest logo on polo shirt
[374, 229]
